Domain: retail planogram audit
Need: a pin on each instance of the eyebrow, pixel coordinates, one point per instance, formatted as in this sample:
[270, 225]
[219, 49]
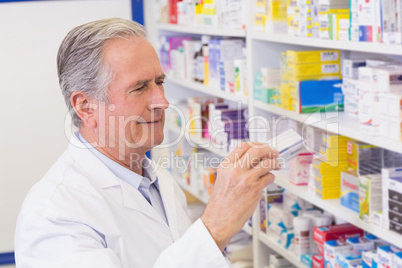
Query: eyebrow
[145, 81]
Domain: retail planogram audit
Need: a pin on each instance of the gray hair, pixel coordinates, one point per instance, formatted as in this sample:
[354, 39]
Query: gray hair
[80, 65]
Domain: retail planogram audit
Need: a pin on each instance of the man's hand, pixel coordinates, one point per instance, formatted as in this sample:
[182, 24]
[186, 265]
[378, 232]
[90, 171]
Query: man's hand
[241, 178]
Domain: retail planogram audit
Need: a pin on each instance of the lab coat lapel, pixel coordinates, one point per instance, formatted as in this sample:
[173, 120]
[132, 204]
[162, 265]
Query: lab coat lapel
[102, 177]
[133, 199]
[166, 189]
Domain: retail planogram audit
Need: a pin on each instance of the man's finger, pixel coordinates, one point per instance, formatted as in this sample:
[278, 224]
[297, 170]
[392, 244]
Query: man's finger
[264, 167]
[235, 154]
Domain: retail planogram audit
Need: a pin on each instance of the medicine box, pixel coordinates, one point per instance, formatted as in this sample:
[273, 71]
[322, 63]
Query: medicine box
[367, 258]
[350, 190]
[350, 68]
[348, 259]
[398, 260]
[395, 226]
[326, 181]
[314, 69]
[334, 140]
[263, 218]
[333, 154]
[315, 56]
[395, 206]
[360, 244]
[318, 261]
[322, 96]
[395, 217]
[328, 192]
[307, 259]
[385, 256]
[370, 196]
[300, 169]
[333, 232]
[273, 193]
[362, 157]
[329, 169]
[331, 249]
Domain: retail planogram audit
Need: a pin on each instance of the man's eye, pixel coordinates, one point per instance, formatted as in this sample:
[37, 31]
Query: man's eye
[138, 89]
[160, 82]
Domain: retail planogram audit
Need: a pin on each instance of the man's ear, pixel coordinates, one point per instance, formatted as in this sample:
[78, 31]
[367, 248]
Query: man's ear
[85, 108]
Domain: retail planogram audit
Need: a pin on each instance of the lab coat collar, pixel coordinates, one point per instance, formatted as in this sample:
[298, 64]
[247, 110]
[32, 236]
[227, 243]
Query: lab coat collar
[101, 176]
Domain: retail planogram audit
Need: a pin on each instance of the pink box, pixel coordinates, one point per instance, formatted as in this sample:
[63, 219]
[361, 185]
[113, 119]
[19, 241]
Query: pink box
[299, 168]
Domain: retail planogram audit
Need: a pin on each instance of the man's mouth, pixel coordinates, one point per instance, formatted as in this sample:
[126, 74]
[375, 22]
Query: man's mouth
[150, 122]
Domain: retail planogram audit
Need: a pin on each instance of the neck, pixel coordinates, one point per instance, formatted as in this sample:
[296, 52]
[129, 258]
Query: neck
[120, 153]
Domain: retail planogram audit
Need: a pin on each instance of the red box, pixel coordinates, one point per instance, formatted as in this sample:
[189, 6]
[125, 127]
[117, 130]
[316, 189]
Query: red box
[318, 261]
[173, 11]
[334, 232]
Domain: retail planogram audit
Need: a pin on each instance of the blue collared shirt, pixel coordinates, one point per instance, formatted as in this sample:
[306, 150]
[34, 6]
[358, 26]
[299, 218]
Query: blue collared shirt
[147, 185]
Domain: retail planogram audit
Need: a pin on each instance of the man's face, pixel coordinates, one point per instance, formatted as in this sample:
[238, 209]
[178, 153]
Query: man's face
[135, 114]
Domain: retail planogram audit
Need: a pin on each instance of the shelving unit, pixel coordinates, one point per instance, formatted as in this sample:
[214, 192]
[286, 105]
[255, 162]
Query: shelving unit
[376, 48]
[199, 142]
[200, 30]
[334, 206]
[290, 256]
[334, 122]
[210, 91]
[263, 50]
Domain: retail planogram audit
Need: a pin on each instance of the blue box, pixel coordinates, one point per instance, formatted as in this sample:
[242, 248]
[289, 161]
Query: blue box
[320, 96]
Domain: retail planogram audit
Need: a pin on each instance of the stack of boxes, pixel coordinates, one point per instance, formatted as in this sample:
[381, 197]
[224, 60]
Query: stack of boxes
[390, 102]
[339, 23]
[392, 199]
[354, 20]
[303, 88]
[327, 170]
[266, 85]
[304, 8]
[293, 17]
[350, 84]
[226, 125]
[270, 16]
[324, 10]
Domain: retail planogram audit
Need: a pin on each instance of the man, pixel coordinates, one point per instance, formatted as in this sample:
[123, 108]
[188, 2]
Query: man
[101, 204]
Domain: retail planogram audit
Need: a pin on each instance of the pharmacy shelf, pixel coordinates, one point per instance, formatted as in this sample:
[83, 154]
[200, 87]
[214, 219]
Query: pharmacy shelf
[368, 47]
[334, 207]
[201, 30]
[336, 122]
[198, 142]
[290, 256]
[209, 90]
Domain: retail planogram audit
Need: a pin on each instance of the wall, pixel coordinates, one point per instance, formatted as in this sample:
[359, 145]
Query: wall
[32, 110]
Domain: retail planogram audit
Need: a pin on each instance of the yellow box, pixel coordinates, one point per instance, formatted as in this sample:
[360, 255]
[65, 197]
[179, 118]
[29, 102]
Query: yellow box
[285, 103]
[327, 181]
[317, 56]
[294, 105]
[328, 193]
[314, 69]
[284, 89]
[334, 154]
[294, 80]
[261, 6]
[259, 22]
[335, 10]
[334, 140]
[328, 168]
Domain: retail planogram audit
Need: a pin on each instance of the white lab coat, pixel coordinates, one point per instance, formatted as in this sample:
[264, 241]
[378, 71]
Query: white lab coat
[81, 215]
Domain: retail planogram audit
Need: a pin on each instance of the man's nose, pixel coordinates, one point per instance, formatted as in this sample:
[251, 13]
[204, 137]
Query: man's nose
[158, 99]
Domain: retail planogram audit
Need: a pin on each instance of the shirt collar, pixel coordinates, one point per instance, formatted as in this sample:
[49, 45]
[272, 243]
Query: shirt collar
[122, 172]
